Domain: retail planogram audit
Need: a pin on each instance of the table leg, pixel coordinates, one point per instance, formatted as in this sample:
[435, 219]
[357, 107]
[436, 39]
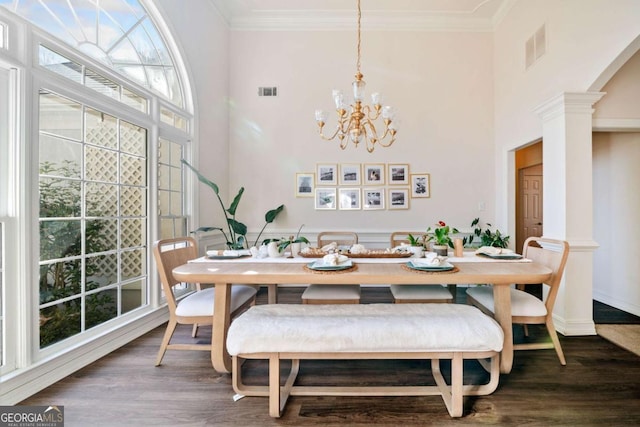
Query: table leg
[221, 320]
[272, 293]
[502, 307]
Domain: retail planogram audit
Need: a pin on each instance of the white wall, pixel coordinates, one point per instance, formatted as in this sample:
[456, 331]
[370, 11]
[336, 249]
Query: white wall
[440, 83]
[616, 157]
[203, 37]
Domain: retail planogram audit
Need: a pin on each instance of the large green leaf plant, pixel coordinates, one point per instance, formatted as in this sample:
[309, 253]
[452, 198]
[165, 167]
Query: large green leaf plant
[236, 233]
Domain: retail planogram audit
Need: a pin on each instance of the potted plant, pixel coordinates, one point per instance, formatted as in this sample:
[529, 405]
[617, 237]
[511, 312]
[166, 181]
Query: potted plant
[440, 238]
[417, 244]
[488, 237]
[237, 231]
[294, 242]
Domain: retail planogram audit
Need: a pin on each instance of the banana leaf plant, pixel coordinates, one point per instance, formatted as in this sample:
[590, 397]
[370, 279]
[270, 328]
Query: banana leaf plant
[236, 233]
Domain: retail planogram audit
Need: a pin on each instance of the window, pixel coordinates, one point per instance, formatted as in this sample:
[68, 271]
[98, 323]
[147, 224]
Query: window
[173, 221]
[3, 35]
[118, 33]
[93, 209]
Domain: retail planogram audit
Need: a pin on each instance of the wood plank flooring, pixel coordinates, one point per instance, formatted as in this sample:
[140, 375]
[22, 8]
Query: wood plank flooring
[600, 386]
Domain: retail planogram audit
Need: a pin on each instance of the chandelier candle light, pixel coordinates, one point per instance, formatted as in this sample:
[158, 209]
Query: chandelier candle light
[358, 125]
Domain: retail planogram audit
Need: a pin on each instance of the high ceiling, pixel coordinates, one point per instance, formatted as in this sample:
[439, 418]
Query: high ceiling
[452, 15]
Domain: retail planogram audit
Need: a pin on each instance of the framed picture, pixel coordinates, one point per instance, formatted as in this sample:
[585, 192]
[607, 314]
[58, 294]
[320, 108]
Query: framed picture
[325, 198]
[349, 199]
[374, 174]
[398, 174]
[304, 184]
[420, 185]
[373, 199]
[350, 174]
[398, 198]
[326, 174]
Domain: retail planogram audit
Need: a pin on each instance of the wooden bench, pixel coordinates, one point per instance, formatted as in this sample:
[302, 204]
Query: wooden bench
[367, 331]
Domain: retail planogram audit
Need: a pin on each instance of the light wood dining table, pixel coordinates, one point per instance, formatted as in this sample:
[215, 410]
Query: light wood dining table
[222, 274]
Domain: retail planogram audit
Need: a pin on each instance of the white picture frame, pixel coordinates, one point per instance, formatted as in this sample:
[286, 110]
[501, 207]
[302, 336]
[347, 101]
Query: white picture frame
[420, 185]
[373, 174]
[349, 199]
[398, 174]
[305, 184]
[398, 198]
[325, 199]
[350, 174]
[326, 174]
[373, 199]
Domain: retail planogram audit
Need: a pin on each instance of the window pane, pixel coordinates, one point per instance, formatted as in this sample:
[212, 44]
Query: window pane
[59, 280]
[101, 271]
[133, 295]
[134, 233]
[133, 264]
[101, 129]
[60, 239]
[132, 201]
[133, 139]
[101, 235]
[134, 100]
[59, 321]
[101, 84]
[133, 170]
[59, 64]
[101, 306]
[60, 157]
[100, 199]
[60, 198]
[60, 116]
[101, 165]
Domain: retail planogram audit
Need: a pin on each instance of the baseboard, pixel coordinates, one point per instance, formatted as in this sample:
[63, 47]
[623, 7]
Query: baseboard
[627, 306]
[574, 328]
[21, 384]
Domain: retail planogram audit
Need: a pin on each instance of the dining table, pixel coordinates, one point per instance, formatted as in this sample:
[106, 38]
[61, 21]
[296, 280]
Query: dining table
[469, 269]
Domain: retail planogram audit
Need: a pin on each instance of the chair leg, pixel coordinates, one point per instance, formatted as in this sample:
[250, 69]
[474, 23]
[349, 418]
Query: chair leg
[556, 342]
[194, 331]
[168, 333]
[526, 330]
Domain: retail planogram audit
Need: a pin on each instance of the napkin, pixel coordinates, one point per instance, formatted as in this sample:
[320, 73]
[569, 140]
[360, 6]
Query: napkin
[358, 249]
[430, 260]
[334, 259]
[490, 250]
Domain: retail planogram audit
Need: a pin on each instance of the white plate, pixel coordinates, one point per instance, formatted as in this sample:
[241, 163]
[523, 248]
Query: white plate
[320, 265]
[443, 266]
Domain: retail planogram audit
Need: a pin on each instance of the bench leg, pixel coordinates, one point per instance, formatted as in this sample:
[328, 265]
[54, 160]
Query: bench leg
[277, 397]
[453, 394]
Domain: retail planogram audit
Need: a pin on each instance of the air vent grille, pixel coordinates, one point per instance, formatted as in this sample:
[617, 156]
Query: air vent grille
[535, 46]
[268, 91]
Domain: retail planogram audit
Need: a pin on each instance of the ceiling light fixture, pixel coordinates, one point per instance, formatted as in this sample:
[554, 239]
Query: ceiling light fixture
[358, 125]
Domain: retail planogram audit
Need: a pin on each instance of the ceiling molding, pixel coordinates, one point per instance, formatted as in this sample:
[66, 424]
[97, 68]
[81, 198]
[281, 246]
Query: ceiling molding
[478, 19]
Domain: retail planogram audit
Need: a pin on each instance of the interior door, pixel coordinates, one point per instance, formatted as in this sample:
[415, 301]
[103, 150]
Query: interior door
[530, 219]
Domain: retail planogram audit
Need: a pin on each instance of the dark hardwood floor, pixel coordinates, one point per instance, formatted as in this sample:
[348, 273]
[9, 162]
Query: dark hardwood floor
[600, 386]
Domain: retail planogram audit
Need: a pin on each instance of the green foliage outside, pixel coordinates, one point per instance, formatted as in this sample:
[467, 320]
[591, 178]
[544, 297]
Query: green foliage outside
[61, 239]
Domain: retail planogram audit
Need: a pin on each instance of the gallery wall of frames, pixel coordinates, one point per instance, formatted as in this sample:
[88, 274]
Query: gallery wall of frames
[366, 186]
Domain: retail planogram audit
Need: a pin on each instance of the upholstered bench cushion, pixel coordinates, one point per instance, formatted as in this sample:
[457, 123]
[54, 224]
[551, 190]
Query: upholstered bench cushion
[522, 303]
[201, 303]
[406, 292]
[363, 328]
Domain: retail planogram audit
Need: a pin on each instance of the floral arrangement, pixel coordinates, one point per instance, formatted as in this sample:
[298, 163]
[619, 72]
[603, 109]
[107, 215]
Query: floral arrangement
[440, 234]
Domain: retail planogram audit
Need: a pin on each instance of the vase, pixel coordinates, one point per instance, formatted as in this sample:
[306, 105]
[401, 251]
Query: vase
[416, 251]
[272, 250]
[295, 249]
[440, 250]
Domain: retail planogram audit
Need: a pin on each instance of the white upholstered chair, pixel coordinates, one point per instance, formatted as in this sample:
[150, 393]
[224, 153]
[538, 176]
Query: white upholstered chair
[333, 294]
[197, 307]
[416, 293]
[528, 309]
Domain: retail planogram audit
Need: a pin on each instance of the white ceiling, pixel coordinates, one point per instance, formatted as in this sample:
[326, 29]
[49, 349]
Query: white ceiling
[428, 15]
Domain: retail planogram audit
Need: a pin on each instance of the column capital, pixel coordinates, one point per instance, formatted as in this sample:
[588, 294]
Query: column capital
[568, 102]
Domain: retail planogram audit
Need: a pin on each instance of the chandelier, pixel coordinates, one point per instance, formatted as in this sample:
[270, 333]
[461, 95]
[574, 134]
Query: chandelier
[357, 124]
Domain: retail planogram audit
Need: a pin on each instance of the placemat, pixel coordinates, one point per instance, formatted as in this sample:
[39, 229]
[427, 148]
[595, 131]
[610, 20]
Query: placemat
[346, 270]
[413, 270]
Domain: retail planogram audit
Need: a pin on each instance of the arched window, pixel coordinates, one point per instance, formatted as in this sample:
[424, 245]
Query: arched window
[118, 33]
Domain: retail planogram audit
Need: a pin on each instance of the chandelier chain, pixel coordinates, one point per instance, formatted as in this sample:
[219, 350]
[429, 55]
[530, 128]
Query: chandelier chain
[359, 18]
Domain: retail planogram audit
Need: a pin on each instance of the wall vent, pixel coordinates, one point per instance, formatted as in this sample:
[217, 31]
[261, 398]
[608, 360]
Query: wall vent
[535, 47]
[268, 91]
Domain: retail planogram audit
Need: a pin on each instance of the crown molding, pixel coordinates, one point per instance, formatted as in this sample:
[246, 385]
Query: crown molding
[325, 20]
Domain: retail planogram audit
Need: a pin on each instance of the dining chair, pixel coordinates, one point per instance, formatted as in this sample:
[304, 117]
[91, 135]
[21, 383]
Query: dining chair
[527, 309]
[407, 294]
[333, 294]
[197, 307]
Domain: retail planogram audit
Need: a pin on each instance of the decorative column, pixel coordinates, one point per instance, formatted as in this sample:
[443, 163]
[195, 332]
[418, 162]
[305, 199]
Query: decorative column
[568, 202]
